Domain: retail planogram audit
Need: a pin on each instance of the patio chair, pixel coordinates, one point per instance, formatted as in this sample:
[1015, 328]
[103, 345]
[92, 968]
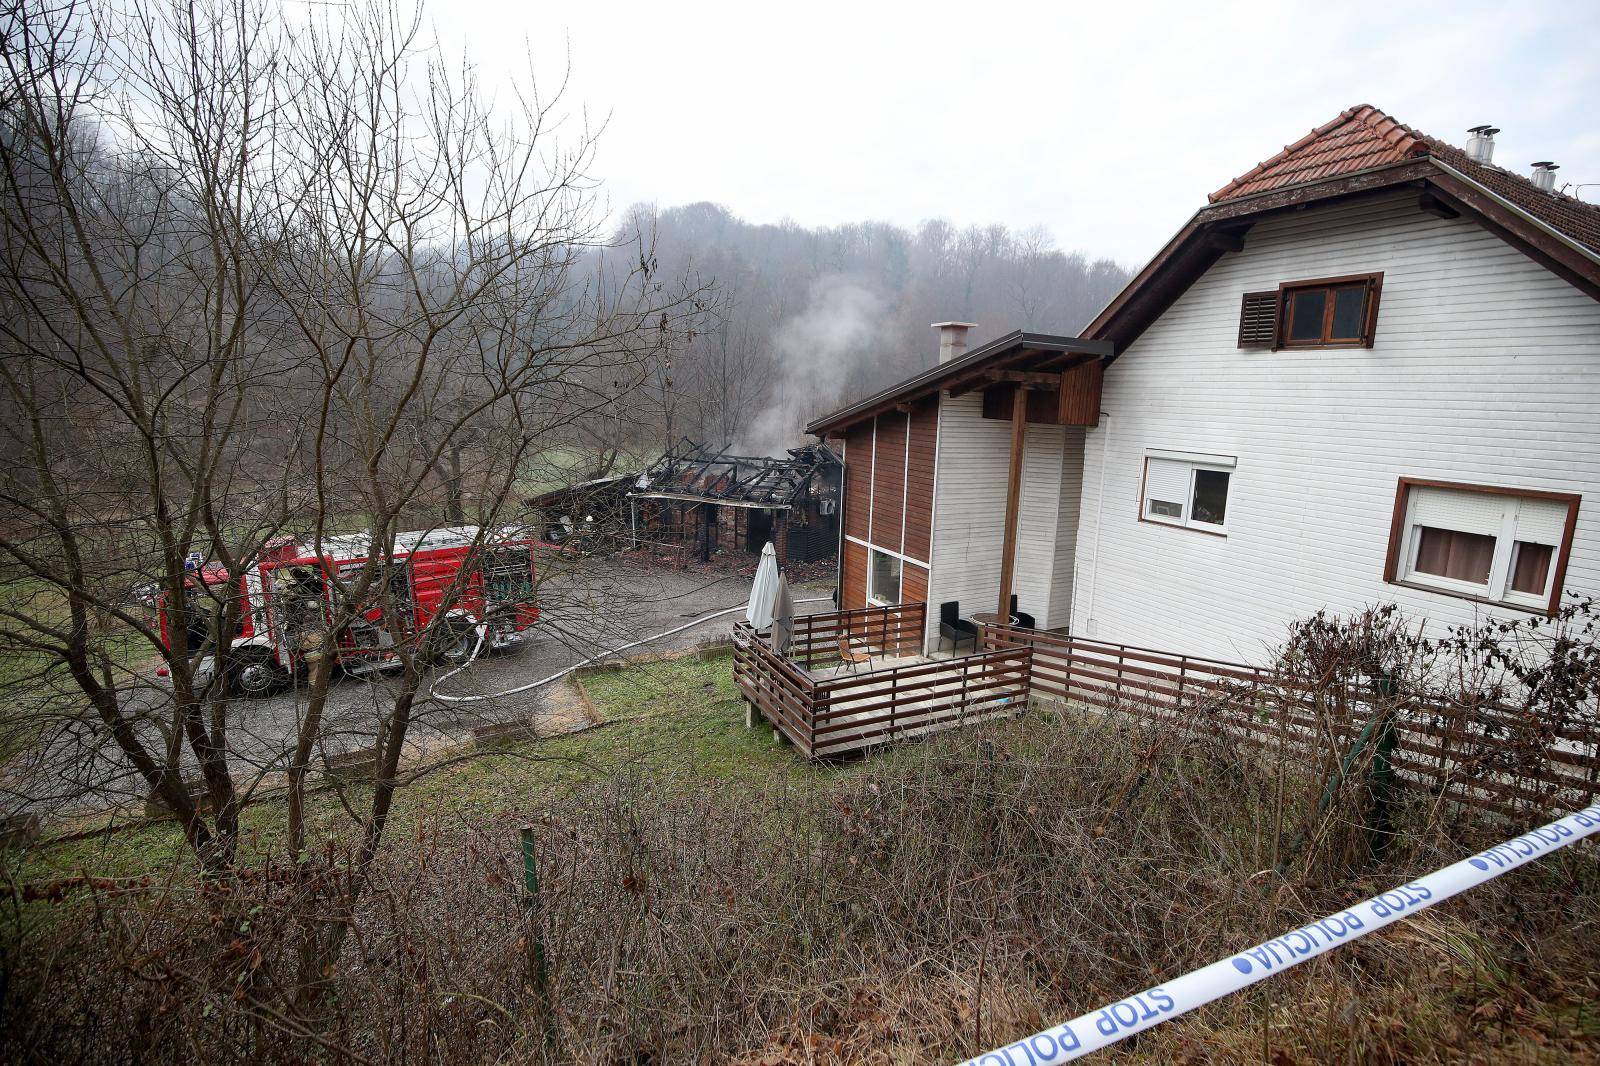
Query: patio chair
[958, 629]
[1024, 619]
[854, 651]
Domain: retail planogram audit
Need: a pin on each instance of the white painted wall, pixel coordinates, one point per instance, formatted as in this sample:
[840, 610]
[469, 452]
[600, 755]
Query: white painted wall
[969, 514]
[1486, 369]
[1063, 561]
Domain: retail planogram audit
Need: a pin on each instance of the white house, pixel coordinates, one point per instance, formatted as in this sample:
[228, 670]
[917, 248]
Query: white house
[1367, 371]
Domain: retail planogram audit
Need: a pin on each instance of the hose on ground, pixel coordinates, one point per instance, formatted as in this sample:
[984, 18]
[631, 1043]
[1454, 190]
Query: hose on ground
[483, 632]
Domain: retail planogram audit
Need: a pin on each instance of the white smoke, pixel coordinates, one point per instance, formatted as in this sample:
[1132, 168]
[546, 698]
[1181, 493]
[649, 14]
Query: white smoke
[817, 352]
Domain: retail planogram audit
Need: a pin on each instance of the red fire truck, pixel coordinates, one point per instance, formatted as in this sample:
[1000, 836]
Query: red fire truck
[288, 601]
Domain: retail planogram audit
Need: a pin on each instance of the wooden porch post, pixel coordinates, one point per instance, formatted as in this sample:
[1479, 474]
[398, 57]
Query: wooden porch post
[1008, 553]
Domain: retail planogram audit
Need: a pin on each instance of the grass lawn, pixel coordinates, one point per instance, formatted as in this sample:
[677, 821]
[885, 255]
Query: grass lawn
[678, 719]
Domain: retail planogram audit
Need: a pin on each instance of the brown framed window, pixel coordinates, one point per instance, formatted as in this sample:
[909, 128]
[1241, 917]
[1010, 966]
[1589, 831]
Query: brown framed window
[1482, 542]
[1329, 312]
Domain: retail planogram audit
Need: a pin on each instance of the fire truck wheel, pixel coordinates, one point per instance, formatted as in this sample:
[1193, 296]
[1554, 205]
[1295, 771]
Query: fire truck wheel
[255, 673]
[453, 644]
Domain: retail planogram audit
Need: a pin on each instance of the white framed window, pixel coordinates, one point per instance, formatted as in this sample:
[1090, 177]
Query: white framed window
[1482, 542]
[1188, 489]
[883, 578]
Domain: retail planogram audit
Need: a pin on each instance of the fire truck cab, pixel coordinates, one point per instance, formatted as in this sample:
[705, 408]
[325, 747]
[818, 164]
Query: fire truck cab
[480, 588]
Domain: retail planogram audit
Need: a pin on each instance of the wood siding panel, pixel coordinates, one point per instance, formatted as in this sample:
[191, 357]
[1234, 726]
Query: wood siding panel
[1080, 394]
[857, 479]
[853, 587]
[914, 585]
[888, 483]
[1485, 369]
[919, 479]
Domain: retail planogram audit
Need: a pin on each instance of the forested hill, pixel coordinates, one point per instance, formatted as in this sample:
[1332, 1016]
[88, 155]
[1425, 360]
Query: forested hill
[807, 318]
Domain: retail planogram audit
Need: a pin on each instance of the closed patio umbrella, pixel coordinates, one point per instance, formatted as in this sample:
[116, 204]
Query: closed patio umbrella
[764, 590]
[782, 616]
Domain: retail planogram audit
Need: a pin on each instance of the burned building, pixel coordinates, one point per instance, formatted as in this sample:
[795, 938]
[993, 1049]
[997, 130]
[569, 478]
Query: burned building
[693, 503]
[710, 501]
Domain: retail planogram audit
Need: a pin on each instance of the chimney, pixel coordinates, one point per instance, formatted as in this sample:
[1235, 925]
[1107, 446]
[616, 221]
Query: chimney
[952, 339]
[1544, 175]
[1480, 146]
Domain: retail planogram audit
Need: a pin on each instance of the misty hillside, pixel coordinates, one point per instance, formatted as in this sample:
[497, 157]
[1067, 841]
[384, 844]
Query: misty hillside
[805, 318]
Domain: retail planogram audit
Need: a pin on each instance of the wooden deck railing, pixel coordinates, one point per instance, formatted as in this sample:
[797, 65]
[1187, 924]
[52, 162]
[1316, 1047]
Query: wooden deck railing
[868, 706]
[1490, 756]
[888, 631]
[1460, 752]
[854, 711]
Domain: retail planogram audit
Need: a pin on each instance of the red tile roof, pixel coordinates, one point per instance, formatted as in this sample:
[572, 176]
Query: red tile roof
[1364, 138]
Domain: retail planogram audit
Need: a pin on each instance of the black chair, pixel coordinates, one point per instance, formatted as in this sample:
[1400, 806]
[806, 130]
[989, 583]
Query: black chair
[958, 629]
[1024, 619]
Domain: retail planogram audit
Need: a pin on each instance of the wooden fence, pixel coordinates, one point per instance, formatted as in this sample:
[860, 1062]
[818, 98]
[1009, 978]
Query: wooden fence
[1495, 757]
[856, 708]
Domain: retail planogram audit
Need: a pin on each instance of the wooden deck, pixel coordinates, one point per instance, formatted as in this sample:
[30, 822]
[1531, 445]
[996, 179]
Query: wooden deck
[827, 706]
[1456, 751]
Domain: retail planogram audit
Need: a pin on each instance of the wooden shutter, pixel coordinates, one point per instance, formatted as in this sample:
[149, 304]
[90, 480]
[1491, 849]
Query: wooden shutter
[1258, 319]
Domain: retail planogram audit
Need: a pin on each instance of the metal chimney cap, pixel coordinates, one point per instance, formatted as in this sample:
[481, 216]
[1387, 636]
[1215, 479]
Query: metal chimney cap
[1487, 131]
[1546, 164]
[963, 325]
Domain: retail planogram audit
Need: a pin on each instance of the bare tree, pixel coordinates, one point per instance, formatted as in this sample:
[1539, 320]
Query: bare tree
[259, 282]
[139, 324]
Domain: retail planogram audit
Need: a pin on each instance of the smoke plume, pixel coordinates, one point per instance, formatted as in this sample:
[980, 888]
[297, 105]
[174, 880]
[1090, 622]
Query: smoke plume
[819, 353]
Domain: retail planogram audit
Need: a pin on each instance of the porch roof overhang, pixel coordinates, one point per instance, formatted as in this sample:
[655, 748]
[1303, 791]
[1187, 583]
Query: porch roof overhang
[1016, 352]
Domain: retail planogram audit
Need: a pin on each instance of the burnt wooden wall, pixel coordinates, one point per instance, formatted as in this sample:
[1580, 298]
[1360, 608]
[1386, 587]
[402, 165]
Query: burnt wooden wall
[888, 499]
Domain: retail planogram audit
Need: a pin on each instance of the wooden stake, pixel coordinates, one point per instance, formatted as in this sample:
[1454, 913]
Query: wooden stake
[1008, 554]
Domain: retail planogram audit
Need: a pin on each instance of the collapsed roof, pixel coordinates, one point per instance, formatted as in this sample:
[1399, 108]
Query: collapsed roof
[693, 473]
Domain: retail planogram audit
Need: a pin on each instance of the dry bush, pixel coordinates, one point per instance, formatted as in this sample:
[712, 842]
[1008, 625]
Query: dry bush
[916, 907]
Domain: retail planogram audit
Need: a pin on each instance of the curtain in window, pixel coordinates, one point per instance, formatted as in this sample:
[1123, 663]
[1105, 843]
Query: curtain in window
[1531, 567]
[1455, 555]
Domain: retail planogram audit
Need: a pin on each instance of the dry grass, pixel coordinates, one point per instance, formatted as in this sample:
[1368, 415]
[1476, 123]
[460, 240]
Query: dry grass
[914, 907]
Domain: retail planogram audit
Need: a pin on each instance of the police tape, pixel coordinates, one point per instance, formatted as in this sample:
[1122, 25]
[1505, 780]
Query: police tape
[1102, 1028]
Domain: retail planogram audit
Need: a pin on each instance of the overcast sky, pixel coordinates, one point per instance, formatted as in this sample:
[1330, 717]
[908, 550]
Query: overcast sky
[1107, 123]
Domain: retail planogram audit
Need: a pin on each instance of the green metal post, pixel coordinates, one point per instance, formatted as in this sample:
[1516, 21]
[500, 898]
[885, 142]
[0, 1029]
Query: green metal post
[530, 884]
[1383, 787]
[1331, 790]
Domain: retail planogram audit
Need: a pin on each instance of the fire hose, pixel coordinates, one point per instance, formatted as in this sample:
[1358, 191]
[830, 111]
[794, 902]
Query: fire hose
[483, 632]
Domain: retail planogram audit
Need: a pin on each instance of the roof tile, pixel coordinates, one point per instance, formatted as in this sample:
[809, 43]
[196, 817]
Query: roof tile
[1363, 138]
